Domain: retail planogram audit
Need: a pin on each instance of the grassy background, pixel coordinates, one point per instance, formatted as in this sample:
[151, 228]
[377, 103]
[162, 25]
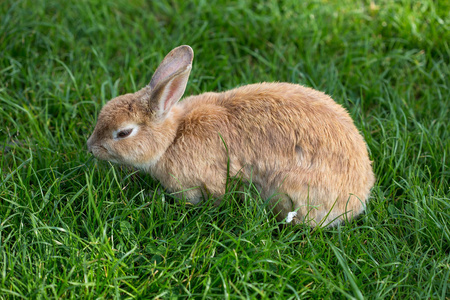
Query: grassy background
[73, 227]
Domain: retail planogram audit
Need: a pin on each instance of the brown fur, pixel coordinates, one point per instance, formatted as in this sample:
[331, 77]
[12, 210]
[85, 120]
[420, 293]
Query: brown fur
[296, 144]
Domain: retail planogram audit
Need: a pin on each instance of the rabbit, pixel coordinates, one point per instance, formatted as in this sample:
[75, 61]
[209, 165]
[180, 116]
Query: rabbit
[299, 147]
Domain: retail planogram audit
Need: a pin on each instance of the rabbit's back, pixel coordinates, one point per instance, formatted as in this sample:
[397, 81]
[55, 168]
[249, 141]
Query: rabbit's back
[289, 140]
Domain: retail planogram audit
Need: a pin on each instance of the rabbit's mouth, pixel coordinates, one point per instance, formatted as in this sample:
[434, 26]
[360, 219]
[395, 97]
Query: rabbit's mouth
[100, 152]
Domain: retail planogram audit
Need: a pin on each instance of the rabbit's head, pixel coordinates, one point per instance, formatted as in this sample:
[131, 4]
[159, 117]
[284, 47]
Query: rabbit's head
[136, 129]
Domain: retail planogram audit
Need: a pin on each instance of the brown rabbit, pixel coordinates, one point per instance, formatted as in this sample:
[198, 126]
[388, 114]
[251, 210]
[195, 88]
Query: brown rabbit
[297, 145]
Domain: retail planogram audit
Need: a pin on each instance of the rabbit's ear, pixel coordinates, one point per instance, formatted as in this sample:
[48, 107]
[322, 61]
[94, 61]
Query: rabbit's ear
[170, 79]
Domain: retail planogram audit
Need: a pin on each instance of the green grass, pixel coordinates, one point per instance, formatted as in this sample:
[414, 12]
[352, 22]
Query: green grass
[72, 227]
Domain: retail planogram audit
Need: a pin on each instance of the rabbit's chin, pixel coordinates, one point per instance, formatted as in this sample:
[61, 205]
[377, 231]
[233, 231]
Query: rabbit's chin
[146, 166]
[101, 153]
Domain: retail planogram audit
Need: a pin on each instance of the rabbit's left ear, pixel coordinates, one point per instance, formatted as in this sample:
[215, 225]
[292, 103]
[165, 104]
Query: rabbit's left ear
[169, 81]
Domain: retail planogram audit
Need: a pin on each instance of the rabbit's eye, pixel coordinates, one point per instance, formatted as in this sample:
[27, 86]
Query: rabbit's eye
[124, 133]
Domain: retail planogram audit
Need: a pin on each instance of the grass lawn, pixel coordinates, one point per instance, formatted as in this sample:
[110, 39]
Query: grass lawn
[74, 227]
